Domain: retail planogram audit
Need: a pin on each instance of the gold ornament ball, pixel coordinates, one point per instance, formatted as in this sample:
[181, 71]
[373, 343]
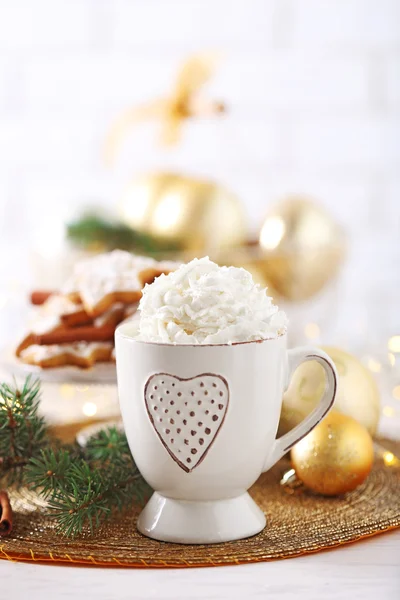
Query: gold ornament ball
[302, 246]
[243, 257]
[198, 215]
[335, 457]
[357, 393]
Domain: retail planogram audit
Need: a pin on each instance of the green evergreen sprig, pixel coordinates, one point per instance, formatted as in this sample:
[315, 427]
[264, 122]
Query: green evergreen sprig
[83, 487]
[22, 429]
[94, 231]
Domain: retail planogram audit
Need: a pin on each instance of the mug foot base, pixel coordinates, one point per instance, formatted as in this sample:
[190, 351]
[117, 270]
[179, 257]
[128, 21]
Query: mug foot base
[209, 522]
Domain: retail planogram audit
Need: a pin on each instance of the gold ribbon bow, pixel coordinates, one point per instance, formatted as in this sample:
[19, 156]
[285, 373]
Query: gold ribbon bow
[183, 103]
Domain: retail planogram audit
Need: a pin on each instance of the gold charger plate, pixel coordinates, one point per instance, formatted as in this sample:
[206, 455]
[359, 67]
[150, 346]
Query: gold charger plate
[296, 524]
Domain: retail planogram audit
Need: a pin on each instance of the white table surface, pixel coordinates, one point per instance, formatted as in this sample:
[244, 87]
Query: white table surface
[366, 570]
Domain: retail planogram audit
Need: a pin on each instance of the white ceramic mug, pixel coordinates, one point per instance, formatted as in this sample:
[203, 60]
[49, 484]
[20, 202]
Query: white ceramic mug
[201, 423]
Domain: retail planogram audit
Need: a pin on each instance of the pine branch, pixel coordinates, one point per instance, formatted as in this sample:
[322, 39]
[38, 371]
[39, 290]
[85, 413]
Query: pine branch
[49, 472]
[22, 430]
[95, 498]
[83, 487]
[108, 444]
[92, 230]
[84, 492]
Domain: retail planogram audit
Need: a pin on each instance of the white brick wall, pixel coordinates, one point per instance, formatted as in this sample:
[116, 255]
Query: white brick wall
[391, 73]
[363, 143]
[313, 88]
[45, 25]
[188, 25]
[355, 24]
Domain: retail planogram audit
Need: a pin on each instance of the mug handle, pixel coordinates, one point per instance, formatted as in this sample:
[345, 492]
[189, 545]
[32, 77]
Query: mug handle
[287, 441]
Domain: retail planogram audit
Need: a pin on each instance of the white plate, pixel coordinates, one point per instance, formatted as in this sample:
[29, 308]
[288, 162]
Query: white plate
[99, 373]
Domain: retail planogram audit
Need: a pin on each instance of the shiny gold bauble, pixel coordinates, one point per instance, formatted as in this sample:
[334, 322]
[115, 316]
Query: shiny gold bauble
[357, 393]
[303, 248]
[335, 457]
[247, 257]
[198, 215]
[243, 257]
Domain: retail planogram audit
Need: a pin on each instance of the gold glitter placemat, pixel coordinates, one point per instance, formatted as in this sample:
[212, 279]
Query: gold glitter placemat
[296, 524]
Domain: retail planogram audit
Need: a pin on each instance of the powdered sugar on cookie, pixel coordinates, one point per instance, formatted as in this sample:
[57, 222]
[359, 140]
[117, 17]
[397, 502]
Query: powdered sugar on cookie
[80, 354]
[98, 276]
[48, 316]
[75, 326]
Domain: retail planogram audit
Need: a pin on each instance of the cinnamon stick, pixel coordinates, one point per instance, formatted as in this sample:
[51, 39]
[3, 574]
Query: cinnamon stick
[39, 297]
[77, 334]
[6, 515]
[80, 317]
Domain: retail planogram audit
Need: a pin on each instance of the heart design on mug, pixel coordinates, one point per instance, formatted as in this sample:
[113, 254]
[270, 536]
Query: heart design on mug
[187, 414]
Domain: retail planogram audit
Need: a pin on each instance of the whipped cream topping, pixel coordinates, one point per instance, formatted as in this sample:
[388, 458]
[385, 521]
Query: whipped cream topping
[202, 303]
[104, 274]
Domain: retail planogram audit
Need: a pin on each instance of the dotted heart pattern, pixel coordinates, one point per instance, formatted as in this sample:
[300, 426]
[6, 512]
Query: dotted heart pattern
[187, 414]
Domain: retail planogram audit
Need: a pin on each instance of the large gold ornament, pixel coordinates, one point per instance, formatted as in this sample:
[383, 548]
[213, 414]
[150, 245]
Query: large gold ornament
[335, 457]
[357, 394]
[200, 216]
[302, 246]
[174, 109]
[243, 256]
